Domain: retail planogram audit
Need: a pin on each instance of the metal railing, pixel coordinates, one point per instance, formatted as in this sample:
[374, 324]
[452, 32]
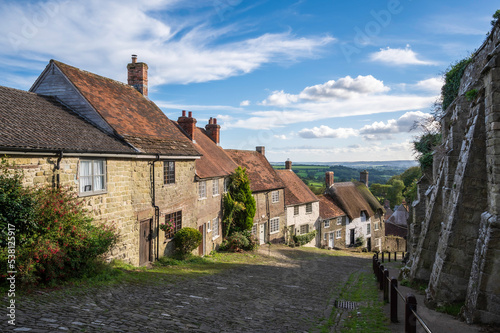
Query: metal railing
[386, 284]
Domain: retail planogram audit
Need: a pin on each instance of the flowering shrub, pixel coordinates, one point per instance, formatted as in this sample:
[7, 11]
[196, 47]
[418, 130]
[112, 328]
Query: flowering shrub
[168, 226]
[186, 240]
[61, 240]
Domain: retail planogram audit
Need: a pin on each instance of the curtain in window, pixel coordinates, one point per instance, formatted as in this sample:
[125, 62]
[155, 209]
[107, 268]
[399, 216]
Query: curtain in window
[85, 176]
[98, 175]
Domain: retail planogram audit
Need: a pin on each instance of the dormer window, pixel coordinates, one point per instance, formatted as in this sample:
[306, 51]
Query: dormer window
[363, 216]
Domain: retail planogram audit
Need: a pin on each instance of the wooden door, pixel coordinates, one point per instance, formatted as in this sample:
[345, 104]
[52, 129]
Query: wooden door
[352, 237]
[145, 241]
[262, 233]
[202, 244]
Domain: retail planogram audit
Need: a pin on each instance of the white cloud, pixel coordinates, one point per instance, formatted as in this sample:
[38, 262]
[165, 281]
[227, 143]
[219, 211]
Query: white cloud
[398, 57]
[327, 132]
[380, 130]
[178, 50]
[343, 88]
[432, 85]
[280, 136]
[245, 103]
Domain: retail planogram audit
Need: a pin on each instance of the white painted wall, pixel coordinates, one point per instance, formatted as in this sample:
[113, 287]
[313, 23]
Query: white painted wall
[312, 219]
[360, 230]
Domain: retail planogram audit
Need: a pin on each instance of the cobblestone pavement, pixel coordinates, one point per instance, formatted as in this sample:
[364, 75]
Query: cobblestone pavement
[293, 293]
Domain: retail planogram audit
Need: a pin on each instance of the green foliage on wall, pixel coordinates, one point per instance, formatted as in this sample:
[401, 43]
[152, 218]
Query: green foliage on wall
[452, 77]
[304, 239]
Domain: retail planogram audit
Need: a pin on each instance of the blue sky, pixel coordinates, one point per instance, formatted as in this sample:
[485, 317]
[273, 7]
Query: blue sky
[312, 80]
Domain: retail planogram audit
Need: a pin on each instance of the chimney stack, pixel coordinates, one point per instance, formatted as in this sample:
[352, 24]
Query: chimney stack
[188, 124]
[329, 179]
[261, 149]
[138, 75]
[288, 165]
[363, 177]
[213, 130]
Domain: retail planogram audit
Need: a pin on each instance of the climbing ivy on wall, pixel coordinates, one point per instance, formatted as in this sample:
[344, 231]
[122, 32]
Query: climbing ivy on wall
[452, 81]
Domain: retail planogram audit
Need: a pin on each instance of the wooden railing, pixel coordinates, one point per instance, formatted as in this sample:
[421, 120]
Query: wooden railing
[386, 284]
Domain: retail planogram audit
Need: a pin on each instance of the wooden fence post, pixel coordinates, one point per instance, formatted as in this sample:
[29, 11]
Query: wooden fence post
[381, 277]
[382, 256]
[394, 300]
[410, 319]
[386, 285]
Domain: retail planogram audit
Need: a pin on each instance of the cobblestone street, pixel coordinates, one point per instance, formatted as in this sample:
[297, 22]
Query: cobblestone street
[293, 293]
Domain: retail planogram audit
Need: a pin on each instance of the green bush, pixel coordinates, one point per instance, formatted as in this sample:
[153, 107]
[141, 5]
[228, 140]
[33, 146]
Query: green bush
[186, 240]
[239, 241]
[304, 239]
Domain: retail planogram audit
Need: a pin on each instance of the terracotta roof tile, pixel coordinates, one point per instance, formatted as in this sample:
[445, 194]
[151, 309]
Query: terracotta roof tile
[31, 121]
[261, 174]
[327, 207]
[131, 115]
[296, 192]
[214, 162]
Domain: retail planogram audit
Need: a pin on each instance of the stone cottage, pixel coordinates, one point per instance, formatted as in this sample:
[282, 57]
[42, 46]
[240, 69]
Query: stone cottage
[301, 205]
[211, 175]
[332, 226]
[269, 193]
[134, 167]
[364, 212]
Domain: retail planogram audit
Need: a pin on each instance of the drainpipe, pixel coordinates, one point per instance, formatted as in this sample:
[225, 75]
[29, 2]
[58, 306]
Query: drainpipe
[157, 209]
[57, 168]
[268, 208]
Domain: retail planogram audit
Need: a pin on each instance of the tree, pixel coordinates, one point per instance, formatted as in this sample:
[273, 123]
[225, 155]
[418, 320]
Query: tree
[496, 16]
[238, 203]
[395, 193]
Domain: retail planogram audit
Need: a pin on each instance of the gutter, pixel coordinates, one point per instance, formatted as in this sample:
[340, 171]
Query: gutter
[114, 155]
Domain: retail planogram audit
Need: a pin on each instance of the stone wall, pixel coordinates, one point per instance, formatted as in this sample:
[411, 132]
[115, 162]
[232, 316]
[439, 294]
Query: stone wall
[208, 209]
[266, 210]
[454, 241]
[127, 199]
[394, 244]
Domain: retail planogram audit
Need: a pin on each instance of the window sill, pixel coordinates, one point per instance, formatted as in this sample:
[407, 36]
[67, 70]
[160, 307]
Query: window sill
[88, 194]
[215, 195]
[214, 238]
[274, 232]
[205, 198]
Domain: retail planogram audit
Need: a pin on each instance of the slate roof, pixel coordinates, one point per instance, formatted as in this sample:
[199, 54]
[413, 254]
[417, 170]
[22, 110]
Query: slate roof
[261, 174]
[399, 217]
[31, 121]
[354, 197]
[137, 119]
[328, 209]
[296, 192]
[214, 162]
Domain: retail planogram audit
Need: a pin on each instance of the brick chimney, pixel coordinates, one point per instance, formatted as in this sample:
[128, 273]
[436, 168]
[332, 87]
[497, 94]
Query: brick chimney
[329, 180]
[288, 164]
[363, 177]
[138, 75]
[188, 124]
[213, 130]
[261, 149]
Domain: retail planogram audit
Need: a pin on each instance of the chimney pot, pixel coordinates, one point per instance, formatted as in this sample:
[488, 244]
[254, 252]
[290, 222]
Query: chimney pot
[190, 114]
[261, 149]
[288, 164]
[213, 130]
[138, 75]
[183, 113]
[188, 124]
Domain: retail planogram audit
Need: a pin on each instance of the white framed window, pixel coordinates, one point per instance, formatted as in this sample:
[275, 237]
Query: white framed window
[309, 208]
[202, 189]
[209, 227]
[327, 224]
[325, 236]
[304, 229]
[338, 233]
[254, 229]
[215, 227]
[375, 226]
[215, 187]
[226, 184]
[169, 172]
[92, 176]
[339, 221]
[275, 196]
[368, 229]
[274, 225]
[379, 243]
[295, 210]
[362, 215]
